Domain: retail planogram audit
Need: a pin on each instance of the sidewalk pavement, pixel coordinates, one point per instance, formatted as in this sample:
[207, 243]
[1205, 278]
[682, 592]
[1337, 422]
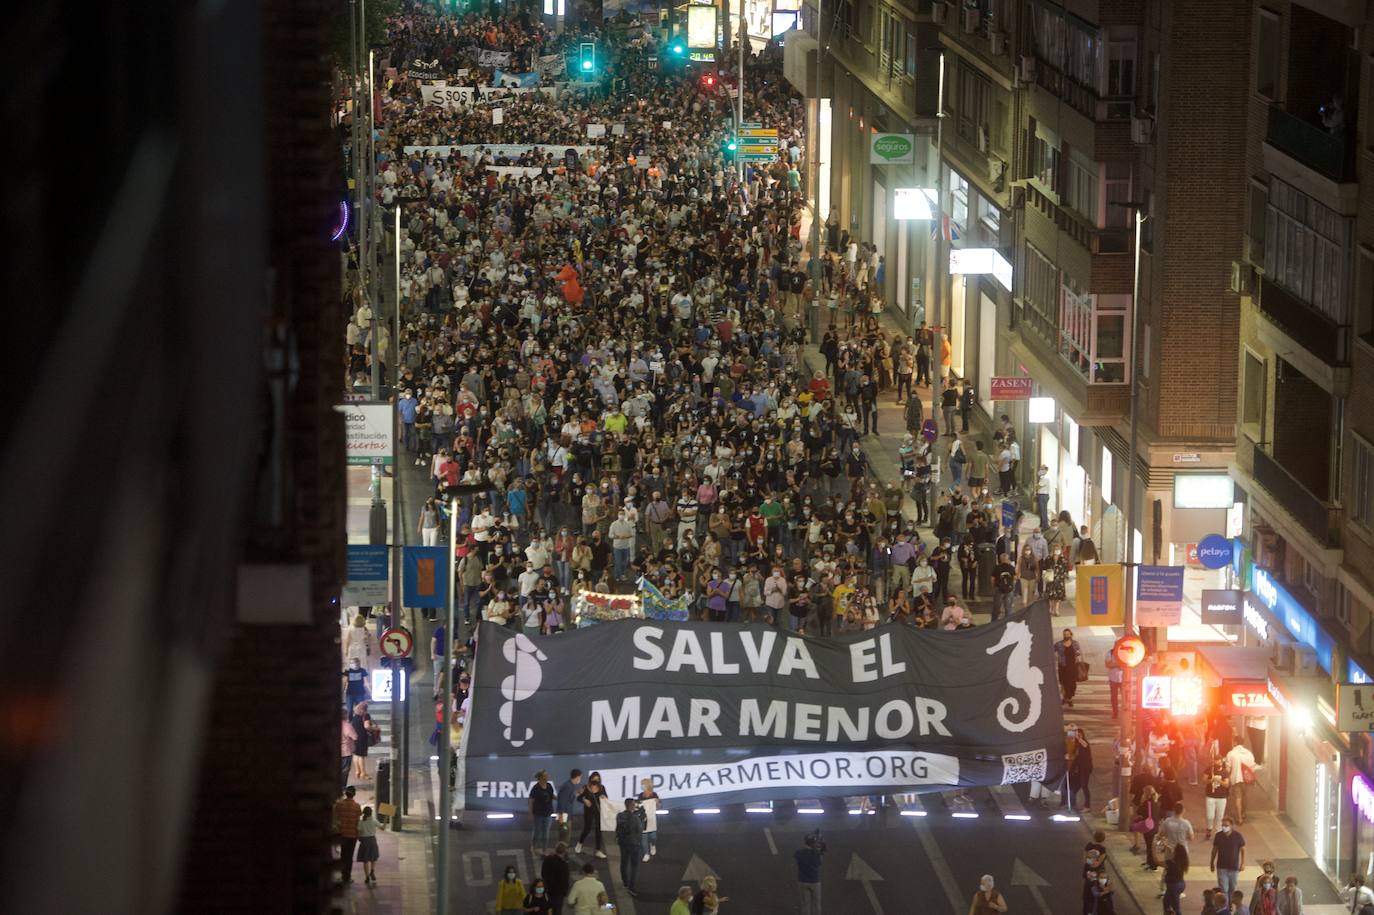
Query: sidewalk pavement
[1267, 837]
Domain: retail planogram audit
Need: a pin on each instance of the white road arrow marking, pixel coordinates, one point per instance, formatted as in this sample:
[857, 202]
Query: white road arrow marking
[861, 870]
[1022, 875]
[697, 869]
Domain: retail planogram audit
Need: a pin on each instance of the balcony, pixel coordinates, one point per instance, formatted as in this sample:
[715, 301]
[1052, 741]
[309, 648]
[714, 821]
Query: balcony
[1330, 155]
[1306, 326]
[1321, 519]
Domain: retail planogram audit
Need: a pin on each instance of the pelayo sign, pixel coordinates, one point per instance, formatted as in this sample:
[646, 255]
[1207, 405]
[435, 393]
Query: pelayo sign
[727, 714]
[892, 149]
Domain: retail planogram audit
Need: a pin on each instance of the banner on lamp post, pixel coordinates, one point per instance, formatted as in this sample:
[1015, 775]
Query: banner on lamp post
[1159, 595]
[1100, 600]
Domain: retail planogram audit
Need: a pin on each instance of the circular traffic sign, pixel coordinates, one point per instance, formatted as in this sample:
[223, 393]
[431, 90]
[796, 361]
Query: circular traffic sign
[1129, 650]
[397, 642]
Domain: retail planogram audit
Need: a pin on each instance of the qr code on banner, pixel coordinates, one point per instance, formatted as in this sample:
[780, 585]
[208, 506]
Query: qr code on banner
[1024, 767]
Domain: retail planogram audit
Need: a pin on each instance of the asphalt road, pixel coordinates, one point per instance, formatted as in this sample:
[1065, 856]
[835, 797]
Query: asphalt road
[876, 864]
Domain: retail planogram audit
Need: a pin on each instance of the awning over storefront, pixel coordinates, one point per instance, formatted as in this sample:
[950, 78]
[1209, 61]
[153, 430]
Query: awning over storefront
[1240, 675]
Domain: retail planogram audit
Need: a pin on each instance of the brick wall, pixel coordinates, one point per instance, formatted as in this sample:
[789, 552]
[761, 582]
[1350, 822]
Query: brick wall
[1204, 83]
[259, 839]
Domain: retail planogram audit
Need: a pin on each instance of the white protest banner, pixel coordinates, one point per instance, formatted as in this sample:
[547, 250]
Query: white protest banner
[498, 115]
[450, 97]
[508, 150]
[617, 130]
[552, 65]
[493, 58]
[596, 130]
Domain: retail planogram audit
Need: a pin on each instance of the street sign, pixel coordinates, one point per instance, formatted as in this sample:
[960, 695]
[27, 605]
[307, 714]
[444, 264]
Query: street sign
[1355, 707]
[365, 578]
[1155, 692]
[1214, 551]
[1010, 388]
[1221, 607]
[397, 643]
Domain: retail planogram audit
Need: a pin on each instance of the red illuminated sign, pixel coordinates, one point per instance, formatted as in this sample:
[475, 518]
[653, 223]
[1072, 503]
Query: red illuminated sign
[1250, 698]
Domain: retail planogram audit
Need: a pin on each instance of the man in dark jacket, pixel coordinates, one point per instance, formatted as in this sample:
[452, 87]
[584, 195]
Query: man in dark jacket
[557, 878]
[629, 835]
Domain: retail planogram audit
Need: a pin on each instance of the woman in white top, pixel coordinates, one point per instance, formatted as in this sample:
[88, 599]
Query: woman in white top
[358, 642]
[367, 845]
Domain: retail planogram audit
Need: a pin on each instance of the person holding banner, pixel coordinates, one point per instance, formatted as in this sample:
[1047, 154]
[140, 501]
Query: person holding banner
[590, 797]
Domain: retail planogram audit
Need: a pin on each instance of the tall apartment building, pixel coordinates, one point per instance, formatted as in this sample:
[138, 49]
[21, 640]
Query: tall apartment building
[1304, 461]
[1057, 119]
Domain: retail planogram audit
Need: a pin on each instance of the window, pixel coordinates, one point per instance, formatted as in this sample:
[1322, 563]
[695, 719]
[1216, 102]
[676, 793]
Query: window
[1121, 68]
[1259, 202]
[1111, 338]
[1043, 154]
[1308, 249]
[1040, 293]
[1364, 294]
[1117, 185]
[1267, 56]
[1080, 187]
[910, 55]
[1253, 389]
[1075, 325]
[1362, 488]
[1107, 478]
[1085, 60]
[974, 114]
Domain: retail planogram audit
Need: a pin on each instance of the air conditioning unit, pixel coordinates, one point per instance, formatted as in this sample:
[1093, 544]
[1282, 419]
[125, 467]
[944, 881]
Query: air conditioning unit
[972, 19]
[982, 139]
[1305, 662]
[997, 43]
[1018, 197]
[1142, 129]
[1242, 278]
[939, 12]
[1283, 658]
[1025, 70]
[995, 166]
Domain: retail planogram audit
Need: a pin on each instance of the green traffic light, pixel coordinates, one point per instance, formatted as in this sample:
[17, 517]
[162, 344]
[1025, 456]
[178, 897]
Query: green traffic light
[731, 146]
[678, 49]
[586, 65]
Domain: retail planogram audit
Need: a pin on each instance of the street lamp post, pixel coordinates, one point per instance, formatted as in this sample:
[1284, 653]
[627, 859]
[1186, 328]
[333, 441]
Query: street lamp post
[1125, 758]
[441, 866]
[937, 339]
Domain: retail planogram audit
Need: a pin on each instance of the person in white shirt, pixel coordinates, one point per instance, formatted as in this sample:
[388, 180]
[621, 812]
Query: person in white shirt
[1238, 760]
[528, 579]
[586, 892]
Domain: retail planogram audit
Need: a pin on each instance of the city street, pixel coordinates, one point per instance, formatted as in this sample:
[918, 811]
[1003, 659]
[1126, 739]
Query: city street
[879, 863]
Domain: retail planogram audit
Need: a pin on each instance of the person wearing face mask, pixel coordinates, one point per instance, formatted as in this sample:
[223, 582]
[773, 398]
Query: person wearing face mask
[510, 894]
[537, 900]
[1104, 897]
[988, 900]
[1264, 900]
[590, 796]
[1228, 857]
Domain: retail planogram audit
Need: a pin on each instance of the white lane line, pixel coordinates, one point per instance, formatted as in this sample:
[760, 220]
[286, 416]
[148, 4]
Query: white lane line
[941, 866]
[768, 834]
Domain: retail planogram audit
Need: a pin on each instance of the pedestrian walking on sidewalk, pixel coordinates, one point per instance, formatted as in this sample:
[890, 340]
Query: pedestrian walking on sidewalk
[949, 402]
[347, 813]
[1175, 869]
[1218, 789]
[1003, 587]
[1264, 900]
[1290, 898]
[1228, 857]
[429, 523]
[1067, 656]
[537, 900]
[367, 845]
[649, 803]
[348, 743]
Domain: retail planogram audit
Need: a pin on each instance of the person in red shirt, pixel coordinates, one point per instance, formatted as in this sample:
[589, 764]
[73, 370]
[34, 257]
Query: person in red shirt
[756, 528]
[820, 386]
[449, 472]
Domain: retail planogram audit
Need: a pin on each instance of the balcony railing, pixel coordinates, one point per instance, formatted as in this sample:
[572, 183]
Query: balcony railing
[1310, 328]
[1321, 519]
[1327, 153]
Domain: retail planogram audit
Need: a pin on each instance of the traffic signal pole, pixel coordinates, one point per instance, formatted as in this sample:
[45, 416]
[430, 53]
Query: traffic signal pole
[739, 93]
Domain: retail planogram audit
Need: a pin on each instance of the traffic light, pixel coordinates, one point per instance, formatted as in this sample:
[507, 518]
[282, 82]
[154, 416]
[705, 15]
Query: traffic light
[678, 48]
[709, 80]
[586, 57]
[1129, 651]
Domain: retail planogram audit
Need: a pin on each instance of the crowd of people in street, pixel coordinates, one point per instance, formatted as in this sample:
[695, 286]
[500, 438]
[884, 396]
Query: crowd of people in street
[607, 345]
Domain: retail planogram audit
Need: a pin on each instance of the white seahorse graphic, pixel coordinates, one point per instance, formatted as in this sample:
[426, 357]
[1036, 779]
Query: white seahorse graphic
[520, 685]
[1020, 675]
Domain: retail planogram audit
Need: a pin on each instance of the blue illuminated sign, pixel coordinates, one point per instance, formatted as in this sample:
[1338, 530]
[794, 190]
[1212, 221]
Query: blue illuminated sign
[1293, 615]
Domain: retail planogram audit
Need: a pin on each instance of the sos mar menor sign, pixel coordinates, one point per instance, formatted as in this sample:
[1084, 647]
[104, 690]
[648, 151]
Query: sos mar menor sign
[720, 713]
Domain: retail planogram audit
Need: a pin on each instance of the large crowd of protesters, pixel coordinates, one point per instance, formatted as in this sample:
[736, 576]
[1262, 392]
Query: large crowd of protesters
[611, 343]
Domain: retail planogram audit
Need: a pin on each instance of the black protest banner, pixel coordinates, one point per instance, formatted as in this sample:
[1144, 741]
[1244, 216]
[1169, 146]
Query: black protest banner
[728, 714]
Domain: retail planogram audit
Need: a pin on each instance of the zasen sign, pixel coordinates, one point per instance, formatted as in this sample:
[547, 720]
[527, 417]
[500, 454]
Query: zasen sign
[720, 713]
